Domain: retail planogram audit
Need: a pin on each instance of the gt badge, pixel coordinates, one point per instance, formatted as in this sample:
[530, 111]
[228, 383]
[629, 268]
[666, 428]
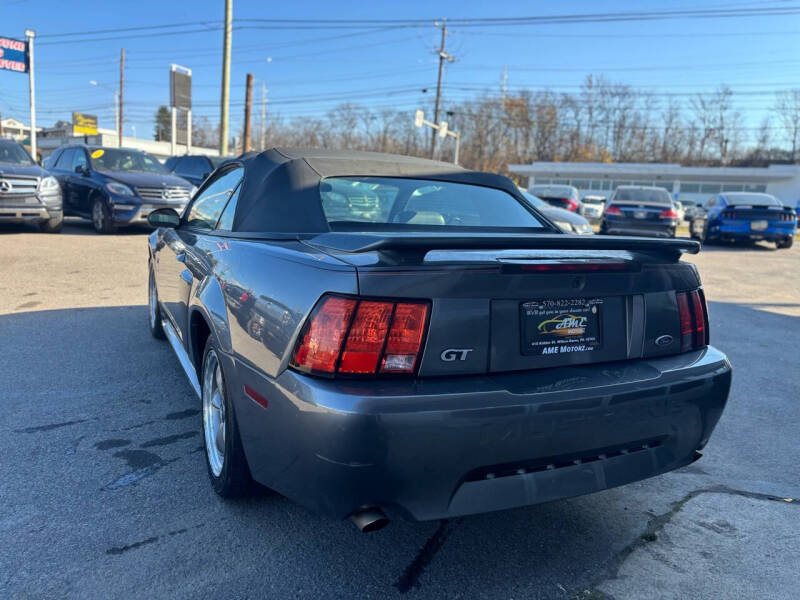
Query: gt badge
[452, 354]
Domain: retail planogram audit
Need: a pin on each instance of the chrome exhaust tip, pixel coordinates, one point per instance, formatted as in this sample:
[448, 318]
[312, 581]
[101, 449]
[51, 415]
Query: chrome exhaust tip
[369, 519]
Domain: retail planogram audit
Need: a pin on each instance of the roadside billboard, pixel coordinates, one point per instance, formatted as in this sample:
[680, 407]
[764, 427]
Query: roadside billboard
[13, 55]
[83, 124]
[180, 89]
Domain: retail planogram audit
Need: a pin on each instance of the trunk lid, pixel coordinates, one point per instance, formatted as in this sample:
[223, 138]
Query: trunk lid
[517, 302]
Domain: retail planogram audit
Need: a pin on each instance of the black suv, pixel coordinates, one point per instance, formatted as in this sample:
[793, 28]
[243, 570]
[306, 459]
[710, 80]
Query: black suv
[194, 167]
[115, 187]
[28, 194]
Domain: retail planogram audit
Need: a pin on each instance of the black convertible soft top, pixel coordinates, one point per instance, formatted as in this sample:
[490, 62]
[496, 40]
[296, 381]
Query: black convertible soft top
[280, 192]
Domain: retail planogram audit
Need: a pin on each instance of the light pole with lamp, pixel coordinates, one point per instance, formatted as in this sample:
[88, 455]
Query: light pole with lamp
[116, 103]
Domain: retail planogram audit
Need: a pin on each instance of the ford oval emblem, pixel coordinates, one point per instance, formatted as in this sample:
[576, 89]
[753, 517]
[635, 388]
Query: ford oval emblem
[663, 340]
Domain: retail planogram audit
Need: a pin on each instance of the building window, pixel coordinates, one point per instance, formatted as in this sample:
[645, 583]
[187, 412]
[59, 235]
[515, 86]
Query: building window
[540, 181]
[710, 188]
[643, 183]
[758, 188]
[560, 182]
[606, 184]
[581, 184]
[732, 187]
[619, 182]
[690, 188]
[667, 185]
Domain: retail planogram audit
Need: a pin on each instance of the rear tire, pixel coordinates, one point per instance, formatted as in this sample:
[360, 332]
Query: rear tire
[101, 218]
[784, 243]
[225, 459]
[153, 309]
[52, 225]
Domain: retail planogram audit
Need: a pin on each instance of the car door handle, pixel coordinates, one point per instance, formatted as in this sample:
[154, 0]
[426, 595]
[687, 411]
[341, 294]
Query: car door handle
[181, 257]
[186, 275]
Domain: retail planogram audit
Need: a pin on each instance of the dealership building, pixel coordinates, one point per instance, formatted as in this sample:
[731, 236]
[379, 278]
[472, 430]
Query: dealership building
[684, 183]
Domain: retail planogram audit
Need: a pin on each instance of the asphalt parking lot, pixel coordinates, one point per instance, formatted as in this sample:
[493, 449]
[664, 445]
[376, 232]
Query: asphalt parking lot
[103, 489]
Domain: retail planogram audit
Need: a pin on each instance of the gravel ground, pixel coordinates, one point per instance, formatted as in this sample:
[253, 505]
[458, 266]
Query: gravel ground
[104, 493]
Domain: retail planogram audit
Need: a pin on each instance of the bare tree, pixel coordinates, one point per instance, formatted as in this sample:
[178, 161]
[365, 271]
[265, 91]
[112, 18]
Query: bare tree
[787, 108]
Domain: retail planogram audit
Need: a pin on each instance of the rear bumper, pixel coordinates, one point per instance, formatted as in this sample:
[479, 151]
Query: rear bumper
[743, 230]
[665, 229]
[443, 447]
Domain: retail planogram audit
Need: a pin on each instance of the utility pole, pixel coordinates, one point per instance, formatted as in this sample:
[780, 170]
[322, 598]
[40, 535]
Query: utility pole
[263, 129]
[503, 84]
[121, 92]
[30, 34]
[248, 97]
[443, 56]
[226, 78]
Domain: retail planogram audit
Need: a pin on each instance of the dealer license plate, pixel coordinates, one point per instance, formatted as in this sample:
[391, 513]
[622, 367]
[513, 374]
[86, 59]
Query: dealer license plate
[758, 225]
[560, 326]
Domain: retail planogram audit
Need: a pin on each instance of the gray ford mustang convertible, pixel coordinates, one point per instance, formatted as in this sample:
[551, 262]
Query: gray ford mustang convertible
[376, 335]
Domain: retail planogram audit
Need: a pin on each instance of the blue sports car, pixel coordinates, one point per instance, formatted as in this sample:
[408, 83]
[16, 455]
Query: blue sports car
[747, 216]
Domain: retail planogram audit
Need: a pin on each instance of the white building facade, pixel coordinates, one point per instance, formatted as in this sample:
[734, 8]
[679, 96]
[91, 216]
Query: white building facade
[684, 183]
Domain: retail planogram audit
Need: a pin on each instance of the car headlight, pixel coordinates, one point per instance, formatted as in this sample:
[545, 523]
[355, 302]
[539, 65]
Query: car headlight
[49, 185]
[583, 228]
[564, 226]
[120, 189]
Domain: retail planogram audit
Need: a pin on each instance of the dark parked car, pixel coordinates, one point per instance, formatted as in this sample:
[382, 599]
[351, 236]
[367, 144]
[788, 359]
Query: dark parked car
[640, 210]
[376, 335]
[745, 216]
[115, 187]
[193, 167]
[566, 221]
[28, 194]
[560, 196]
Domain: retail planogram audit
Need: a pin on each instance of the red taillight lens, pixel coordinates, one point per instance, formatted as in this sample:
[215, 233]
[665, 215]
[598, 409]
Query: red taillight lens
[363, 337]
[613, 210]
[366, 337]
[668, 214]
[570, 204]
[322, 339]
[405, 338]
[699, 314]
[694, 319]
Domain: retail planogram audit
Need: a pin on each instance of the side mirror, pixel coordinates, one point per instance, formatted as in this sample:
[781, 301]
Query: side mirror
[164, 217]
[81, 170]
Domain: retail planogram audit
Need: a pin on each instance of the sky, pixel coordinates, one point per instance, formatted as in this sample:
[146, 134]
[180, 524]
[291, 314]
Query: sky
[307, 70]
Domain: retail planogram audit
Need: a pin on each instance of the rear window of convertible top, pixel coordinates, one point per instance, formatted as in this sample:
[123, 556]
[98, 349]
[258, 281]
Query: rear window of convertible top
[378, 202]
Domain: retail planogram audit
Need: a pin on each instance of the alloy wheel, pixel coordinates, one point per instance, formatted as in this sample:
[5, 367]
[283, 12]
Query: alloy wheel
[214, 413]
[97, 216]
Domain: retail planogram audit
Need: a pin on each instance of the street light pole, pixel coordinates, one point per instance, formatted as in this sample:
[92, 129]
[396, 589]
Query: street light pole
[116, 102]
[31, 34]
[226, 78]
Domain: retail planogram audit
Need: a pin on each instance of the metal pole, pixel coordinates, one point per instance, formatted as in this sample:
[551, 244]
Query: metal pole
[31, 34]
[226, 78]
[121, 92]
[173, 130]
[458, 143]
[189, 131]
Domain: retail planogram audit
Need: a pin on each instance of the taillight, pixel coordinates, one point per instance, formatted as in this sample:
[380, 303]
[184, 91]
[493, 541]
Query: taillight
[361, 337]
[570, 204]
[668, 214]
[787, 217]
[613, 210]
[694, 320]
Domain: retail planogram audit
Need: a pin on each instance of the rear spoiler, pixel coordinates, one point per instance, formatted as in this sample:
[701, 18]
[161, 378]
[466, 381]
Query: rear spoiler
[423, 242]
